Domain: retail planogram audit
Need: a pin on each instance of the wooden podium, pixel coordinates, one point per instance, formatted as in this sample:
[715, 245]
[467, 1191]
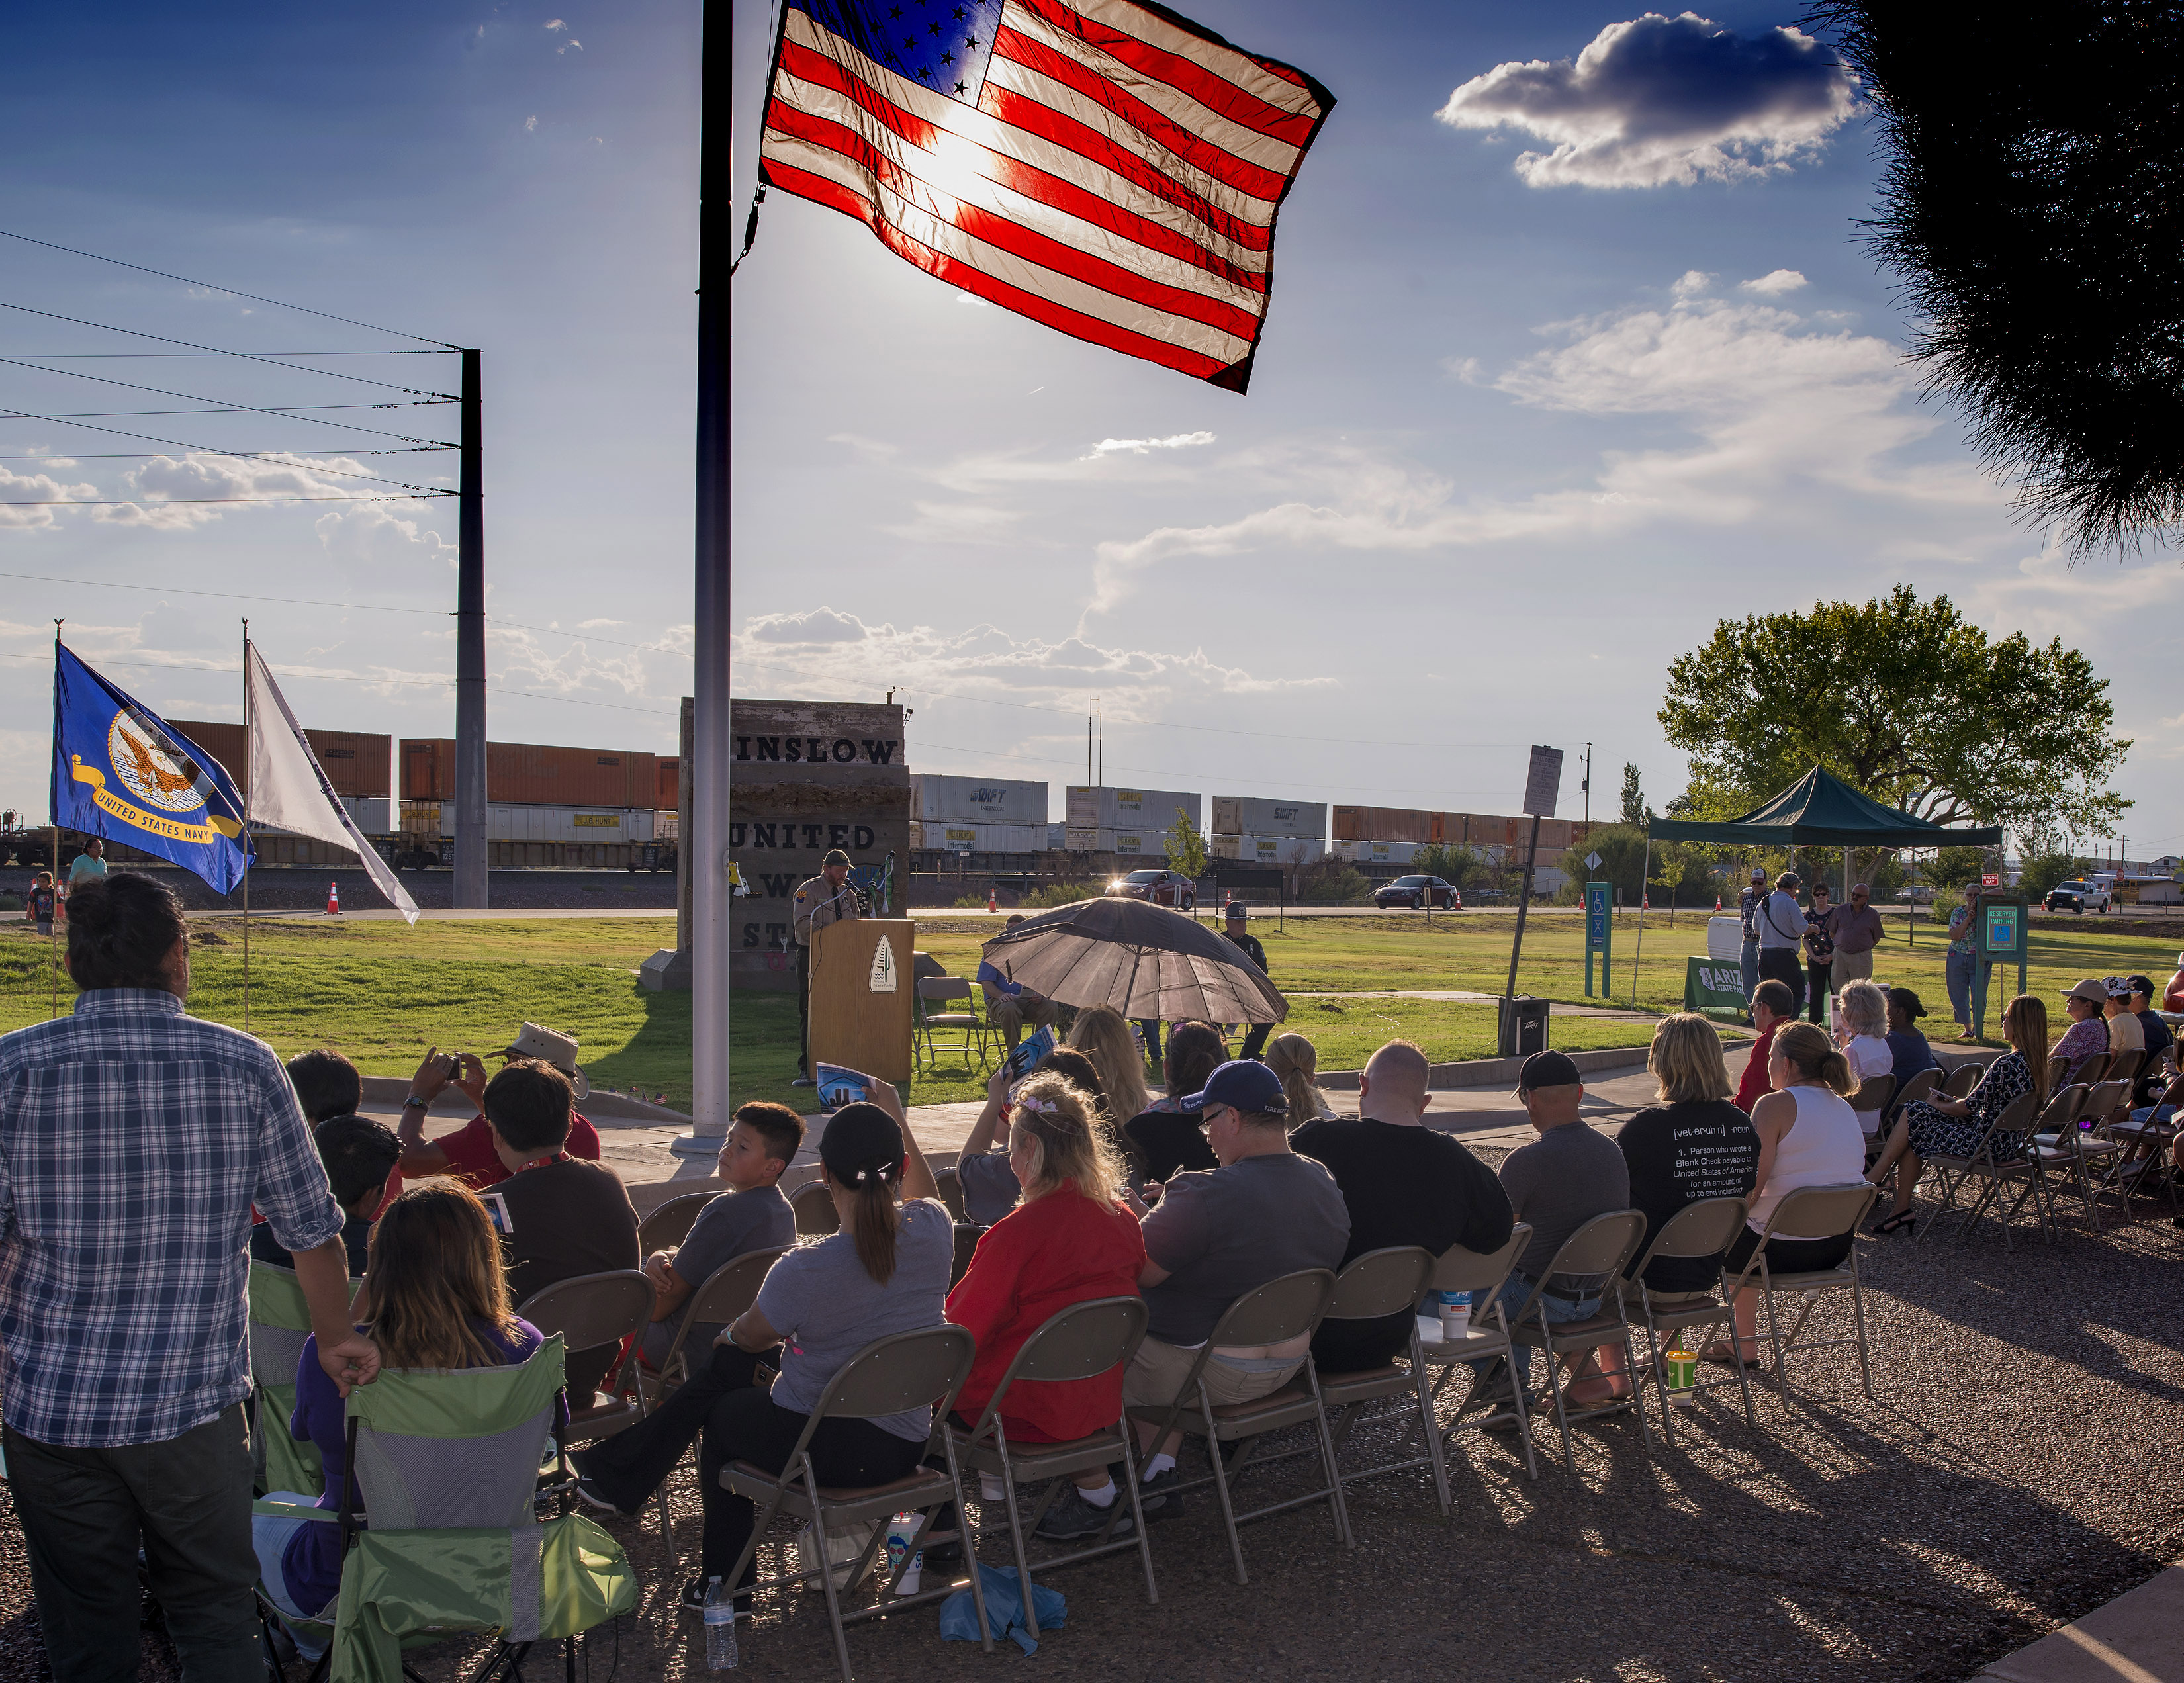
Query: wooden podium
[862, 992]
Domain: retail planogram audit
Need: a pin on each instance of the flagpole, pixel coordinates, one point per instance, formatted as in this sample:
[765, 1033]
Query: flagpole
[246, 827]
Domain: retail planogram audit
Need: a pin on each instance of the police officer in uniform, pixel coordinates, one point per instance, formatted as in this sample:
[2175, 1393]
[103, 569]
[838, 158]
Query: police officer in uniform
[827, 898]
[1255, 1041]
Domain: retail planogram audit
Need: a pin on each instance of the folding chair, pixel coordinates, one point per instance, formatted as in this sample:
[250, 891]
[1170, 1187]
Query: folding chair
[720, 1298]
[670, 1223]
[950, 1183]
[1705, 1228]
[2057, 1068]
[1919, 1085]
[1086, 1339]
[813, 1206]
[936, 997]
[2047, 1150]
[447, 1465]
[1371, 1287]
[967, 1244]
[1991, 1171]
[280, 1322]
[1963, 1078]
[2150, 1140]
[2092, 1155]
[888, 1376]
[1283, 1308]
[1483, 1276]
[587, 1311]
[2123, 1066]
[1822, 1212]
[1599, 1251]
[1876, 1096]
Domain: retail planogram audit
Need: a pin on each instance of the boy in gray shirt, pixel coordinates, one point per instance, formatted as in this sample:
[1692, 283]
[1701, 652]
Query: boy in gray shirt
[1559, 1182]
[751, 1215]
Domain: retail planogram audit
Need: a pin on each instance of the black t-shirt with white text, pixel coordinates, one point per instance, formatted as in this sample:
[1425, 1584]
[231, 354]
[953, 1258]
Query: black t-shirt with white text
[1678, 1154]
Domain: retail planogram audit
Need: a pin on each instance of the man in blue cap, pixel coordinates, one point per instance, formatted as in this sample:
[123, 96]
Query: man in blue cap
[1216, 1233]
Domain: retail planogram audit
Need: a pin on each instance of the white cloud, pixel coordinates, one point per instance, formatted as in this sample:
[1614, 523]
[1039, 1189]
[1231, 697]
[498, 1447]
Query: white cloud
[1661, 101]
[819, 625]
[1692, 283]
[176, 490]
[871, 449]
[1778, 412]
[600, 624]
[39, 490]
[958, 523]
[531, 125]
[552, 23]
[375, 539]
[1178, 440]
[1775, 283]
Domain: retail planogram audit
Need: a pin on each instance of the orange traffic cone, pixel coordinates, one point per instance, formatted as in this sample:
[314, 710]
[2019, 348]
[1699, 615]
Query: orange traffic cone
[333, 900]
[991, 903]
[1646, 902]
[1717, 902]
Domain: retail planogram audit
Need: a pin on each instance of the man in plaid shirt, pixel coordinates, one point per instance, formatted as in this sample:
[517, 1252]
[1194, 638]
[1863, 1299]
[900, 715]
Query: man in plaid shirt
[134, 1139]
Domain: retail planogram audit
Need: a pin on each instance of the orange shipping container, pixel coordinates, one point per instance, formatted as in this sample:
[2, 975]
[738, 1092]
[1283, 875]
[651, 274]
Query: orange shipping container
[532, 774]
[670, 797]
[1347, 821]
[356, 763]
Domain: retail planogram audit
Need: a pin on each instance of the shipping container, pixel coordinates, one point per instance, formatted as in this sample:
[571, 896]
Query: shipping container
[1382, 823]
[1378, 852]
[532, 774]
[1477, 829]
[535, 823]
[1239, 815]
[669, 785]
[928, 836]
[976, 800]
[359, 764]
[1111, 808]
[1270, 850]
[1058, 837]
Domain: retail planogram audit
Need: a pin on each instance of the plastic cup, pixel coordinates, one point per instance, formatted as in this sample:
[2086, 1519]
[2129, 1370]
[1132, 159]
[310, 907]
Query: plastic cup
[1683, 1376]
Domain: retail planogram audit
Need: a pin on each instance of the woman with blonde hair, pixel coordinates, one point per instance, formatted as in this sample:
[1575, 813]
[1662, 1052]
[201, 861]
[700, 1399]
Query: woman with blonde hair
[1808, 1136]
[1295, 1060]
[1102, 1035]
[1693, 1144]
[1863, 1032]
[1941, 1126]
[1069, 1239]
[439, 1300]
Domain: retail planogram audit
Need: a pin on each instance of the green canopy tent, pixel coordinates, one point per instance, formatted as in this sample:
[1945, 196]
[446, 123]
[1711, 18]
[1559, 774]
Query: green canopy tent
[1817, 810]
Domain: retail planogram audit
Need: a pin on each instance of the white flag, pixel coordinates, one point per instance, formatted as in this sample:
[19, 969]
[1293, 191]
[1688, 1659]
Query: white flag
[288, 787]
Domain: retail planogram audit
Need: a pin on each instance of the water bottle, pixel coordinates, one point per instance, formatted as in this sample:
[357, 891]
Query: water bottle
[1455, 1314]
[719, 1627]
[901, 1529]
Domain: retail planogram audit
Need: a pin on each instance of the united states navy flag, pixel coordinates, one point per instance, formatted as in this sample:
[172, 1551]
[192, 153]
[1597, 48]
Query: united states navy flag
[121, 772]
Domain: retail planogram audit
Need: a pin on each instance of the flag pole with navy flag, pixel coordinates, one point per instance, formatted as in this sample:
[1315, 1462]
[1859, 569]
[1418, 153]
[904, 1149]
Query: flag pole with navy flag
[122, 772]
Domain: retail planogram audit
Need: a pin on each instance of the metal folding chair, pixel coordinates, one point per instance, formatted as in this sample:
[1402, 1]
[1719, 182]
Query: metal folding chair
[2047, 1150]
[1285, 1308]
[670, 1223]
[1963, 1078]
[2089, 1149]
[1483, 1277]
[720, 1298]
[1820, 1212]
[1987, 1164]
[1371, 1287]
[967, 1234]
[939, 1013]
[1084, 1340]
[588, 1311]
[1590, 1263]
[888, 1376]
[2146, 1143]
[2124, 1065]
[1706, 1228]
[813, 1206]
[951, 1191]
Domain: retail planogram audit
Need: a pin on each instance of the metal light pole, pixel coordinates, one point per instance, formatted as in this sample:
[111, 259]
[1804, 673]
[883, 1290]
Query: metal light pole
[470, 652]
[708, 841]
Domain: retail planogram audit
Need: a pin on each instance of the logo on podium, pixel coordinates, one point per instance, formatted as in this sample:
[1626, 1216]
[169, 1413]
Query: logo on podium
[883, 977]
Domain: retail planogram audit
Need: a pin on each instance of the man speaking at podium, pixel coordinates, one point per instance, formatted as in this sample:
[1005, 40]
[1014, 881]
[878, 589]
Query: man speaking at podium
[827, 898]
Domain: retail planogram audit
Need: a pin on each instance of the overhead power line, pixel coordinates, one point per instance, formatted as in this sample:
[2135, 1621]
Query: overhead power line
[237, 455]
[146, 356]
[294, 411]
[247, 356]
[323, 315]
[177, 502]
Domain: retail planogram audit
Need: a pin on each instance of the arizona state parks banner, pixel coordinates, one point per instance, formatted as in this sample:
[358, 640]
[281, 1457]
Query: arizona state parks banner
[121, 772]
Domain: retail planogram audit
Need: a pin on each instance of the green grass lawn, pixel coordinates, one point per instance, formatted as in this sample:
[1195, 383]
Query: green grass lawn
[383, 991]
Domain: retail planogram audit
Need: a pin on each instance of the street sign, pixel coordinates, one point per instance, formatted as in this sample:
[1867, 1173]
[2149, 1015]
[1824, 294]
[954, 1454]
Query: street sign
[1991, 880]
[1592, 862]
[1599, 931]
[1543, 782]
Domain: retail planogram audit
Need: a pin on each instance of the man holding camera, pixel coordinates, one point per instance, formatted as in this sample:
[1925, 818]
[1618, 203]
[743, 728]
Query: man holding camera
[468, 1153]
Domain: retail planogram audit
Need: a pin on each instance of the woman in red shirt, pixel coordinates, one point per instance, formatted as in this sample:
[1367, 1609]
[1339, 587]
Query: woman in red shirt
[1069, 1239]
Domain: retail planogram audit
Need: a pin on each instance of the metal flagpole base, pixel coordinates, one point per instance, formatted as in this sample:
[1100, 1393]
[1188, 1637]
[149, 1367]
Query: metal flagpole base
[697, 1143]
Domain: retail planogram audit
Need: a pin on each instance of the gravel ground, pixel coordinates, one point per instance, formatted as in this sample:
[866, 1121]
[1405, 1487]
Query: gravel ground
[2019, 1468]
[279, 889]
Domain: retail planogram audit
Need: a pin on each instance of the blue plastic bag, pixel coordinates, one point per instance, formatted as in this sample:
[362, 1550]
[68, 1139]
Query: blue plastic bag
[959, 1619]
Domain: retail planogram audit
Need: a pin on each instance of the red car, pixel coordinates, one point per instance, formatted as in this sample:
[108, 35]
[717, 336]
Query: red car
[1418, 892]
[1162, 888]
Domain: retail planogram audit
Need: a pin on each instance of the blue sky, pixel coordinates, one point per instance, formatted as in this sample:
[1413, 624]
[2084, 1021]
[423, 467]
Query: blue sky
[1539, 400]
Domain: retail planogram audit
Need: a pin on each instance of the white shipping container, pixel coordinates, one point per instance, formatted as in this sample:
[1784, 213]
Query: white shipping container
[1058, 837]
[1239, 815]
[1131, 809]
[976, 800]
[978, 837]
[542, 824]
[1377, 853]
[1279, 849]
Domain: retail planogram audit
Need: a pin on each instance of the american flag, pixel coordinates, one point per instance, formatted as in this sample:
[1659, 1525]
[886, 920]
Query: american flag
[1104, 166]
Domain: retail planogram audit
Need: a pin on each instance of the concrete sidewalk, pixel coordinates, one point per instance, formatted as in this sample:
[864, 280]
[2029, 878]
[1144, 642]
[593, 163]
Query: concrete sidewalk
[2137, 1638]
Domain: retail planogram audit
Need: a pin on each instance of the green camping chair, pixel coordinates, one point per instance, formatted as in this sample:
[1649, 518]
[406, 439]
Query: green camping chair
[280, 1322]
[446, 1464]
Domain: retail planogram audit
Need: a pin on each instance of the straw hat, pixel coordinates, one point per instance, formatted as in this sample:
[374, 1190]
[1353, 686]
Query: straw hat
[536, 1041]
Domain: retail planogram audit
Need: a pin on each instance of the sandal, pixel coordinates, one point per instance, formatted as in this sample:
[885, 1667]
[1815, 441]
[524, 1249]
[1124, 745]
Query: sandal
[1721, 1354]
[1905, 1221]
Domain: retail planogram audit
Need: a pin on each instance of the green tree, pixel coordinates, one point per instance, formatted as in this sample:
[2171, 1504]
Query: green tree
[1906, 701]
[1458, 866]
[2043, 871]
[1634, 803]
[1185, 847]
[1622, 851]
[1954, 866]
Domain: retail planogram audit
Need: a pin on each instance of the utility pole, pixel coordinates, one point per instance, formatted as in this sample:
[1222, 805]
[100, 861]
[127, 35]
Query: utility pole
[470, 652]
[710, 906]
[1586, 786]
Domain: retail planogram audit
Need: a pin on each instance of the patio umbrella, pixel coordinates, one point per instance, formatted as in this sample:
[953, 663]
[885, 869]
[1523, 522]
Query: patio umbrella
[1143, 960]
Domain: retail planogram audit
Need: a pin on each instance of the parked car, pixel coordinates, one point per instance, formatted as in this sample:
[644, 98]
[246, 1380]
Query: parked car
[1162, 888]
[1418, 892]
[2078, 896]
